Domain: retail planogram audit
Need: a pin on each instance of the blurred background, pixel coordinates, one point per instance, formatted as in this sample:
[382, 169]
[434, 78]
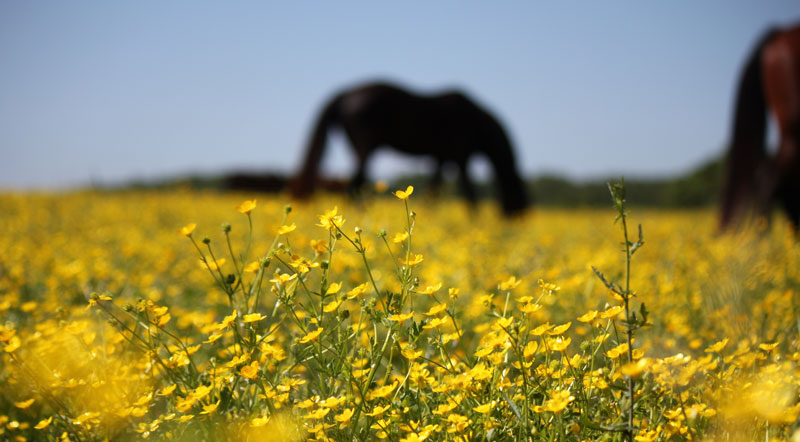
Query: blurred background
[108, 94]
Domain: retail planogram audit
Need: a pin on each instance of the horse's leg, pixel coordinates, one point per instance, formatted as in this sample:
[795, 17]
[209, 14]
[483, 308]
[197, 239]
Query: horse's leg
[436, 179]
[467, 187]
[363, 146]
[360, 175]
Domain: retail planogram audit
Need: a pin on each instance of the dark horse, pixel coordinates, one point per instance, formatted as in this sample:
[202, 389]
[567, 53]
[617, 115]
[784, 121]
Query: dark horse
[771, 80]
[448, 127]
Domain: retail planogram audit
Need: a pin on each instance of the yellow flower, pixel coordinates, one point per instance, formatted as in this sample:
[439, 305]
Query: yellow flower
[400, 237]
[24, 404]
[283, 230]
[332, 306]
[187, 229]
[246, 207]
[485, 408]
[166, 391]
[357, 291]
[401, 317]
[617, 351]
[380, 186]
[717, 347]
[13, 344]
[635, 369]
[611, 312]
[164, 319]
[213, 265]
[201, 392]
[768, 347]
[530, 349]
[44, 423]
[319, 246]
[646, 435]
[434, 323]
[480, 372]
[311, 336]
[250, 371]
[588, 316]
[377, 411]
[333, 288]
[412, 260]
[259, 421]
[452, 292]
[213, 337]
[344, 417]
[318, 414]
[560, 329]
[330, 220]
[431, 289]
[559, 344]
[253, 317]
[404, 195]
[210, 408]
[283, 278]
[504, 322]
[381, 392]
[229, 320]
[558, 401]
[548, 286]
[435, 310]
[542, 329]
[410, 354]
[252, 267]
[332, 402]
[530, 308]
[509, 284]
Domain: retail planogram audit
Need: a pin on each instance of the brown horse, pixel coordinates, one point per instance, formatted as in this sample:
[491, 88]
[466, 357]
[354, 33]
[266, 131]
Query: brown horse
[448, 127]
[771, 80]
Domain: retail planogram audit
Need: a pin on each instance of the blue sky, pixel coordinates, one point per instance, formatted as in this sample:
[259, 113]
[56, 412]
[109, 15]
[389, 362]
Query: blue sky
[97, 91]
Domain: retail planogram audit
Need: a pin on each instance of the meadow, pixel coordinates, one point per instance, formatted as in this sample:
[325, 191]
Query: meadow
[191, 315]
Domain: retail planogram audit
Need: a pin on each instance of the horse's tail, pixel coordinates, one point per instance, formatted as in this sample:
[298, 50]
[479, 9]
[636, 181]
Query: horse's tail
[304, 181]
[747, 150]
[513, 196]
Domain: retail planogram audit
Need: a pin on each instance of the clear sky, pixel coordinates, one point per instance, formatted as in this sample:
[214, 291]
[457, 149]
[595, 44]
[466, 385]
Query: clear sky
[108, 91]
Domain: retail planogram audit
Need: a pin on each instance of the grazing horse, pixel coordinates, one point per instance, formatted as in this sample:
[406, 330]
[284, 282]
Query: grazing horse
[448, 127]
[770, 81]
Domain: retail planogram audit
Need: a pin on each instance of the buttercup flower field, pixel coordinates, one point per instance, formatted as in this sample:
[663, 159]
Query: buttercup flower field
[190, 315]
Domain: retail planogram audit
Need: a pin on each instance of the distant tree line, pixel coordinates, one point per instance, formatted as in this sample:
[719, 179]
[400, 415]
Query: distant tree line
[698, 188]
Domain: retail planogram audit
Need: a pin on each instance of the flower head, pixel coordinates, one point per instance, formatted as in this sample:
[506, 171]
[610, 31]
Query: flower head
[246, 207]
[330, 220]
[187, 229]
[404, 195]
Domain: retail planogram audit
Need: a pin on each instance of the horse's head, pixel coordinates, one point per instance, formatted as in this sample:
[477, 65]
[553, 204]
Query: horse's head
[513, 196]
